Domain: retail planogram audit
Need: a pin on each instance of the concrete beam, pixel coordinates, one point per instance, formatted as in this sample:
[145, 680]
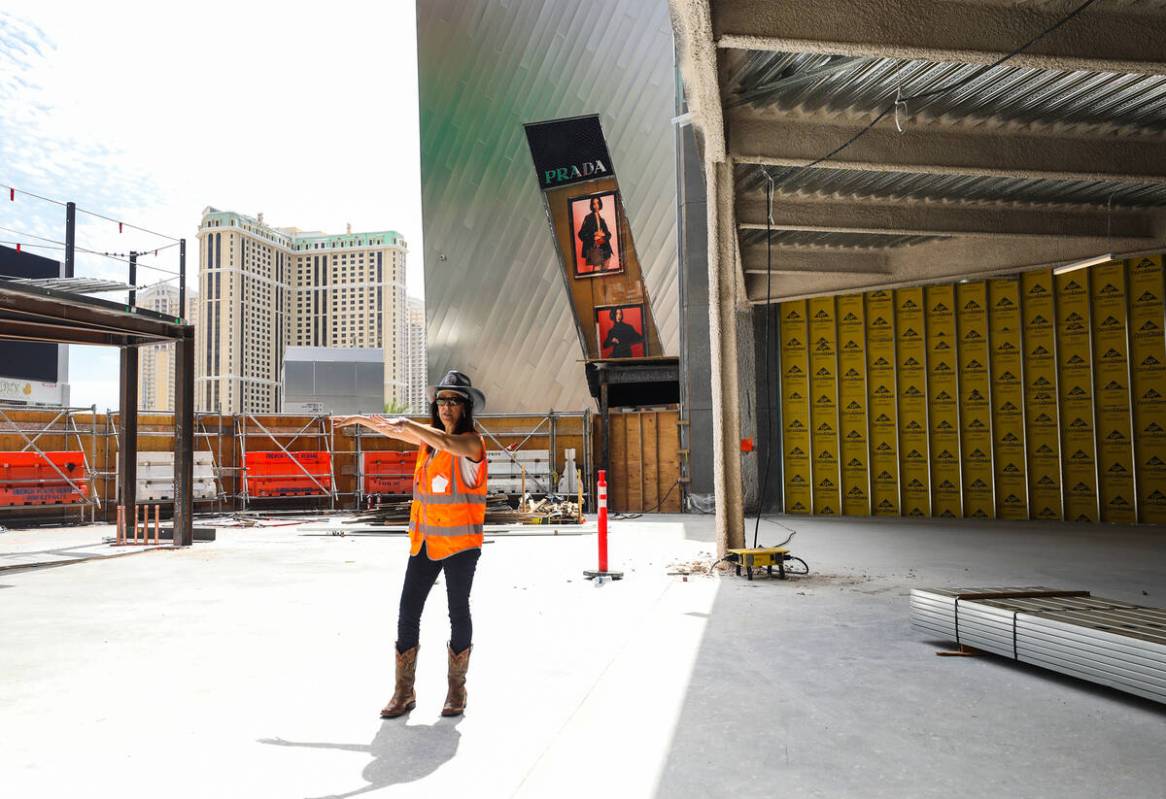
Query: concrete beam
[804, 261]
[940, 149]
[796, 286]
[916, 218]
[946, 260]
[1105, 37]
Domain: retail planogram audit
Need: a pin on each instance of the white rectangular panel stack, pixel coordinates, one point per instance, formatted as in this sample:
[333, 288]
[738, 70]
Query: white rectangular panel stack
[156, 476]
[505, 471]
[1105, 641]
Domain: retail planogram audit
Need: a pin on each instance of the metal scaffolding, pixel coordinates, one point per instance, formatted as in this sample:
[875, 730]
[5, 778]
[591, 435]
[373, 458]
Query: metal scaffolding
[64, 425]
[324, 435]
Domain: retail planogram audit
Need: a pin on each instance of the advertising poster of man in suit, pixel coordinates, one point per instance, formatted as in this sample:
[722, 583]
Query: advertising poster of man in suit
[595, 224]
[621, 330]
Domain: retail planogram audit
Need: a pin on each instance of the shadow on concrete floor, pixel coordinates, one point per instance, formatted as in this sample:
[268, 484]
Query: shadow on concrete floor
[819, 687]
[400, 752]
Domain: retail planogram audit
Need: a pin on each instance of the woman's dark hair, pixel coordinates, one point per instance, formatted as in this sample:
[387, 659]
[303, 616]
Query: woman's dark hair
[464, 425]
[596, 200]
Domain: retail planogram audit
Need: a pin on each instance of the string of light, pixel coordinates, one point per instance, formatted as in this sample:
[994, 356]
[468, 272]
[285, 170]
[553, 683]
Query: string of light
[124, 258]
[121, 225]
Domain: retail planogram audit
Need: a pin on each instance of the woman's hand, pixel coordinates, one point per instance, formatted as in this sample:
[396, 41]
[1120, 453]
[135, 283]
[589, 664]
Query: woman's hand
[398, 427]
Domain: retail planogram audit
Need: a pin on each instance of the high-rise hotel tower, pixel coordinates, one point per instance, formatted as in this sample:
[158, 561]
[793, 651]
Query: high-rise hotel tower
[156, 361]
[264, 289]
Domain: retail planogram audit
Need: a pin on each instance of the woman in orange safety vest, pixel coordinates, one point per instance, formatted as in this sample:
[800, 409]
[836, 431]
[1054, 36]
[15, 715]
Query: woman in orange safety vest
[445, 529]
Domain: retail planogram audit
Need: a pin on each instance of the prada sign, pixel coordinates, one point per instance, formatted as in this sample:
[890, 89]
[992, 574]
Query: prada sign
[567, 151]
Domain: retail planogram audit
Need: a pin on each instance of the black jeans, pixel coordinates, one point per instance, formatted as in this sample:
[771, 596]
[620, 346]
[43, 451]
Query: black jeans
[419, 578]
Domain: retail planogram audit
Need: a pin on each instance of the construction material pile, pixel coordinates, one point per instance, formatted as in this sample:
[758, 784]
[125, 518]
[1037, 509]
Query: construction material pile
[1105, 641]
[551, 510]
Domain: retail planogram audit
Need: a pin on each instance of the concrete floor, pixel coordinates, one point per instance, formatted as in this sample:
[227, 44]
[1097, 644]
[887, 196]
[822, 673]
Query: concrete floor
[255, 667]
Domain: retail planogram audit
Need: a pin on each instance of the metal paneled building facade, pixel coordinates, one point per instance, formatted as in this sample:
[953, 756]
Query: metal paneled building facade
[495, 302]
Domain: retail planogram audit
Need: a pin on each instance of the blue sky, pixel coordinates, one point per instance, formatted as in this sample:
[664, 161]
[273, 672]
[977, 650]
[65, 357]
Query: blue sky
[149, 112]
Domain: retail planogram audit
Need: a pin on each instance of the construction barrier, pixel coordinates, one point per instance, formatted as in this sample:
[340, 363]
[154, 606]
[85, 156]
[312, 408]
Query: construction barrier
[51, 478]
[388, 472]
[276, 474]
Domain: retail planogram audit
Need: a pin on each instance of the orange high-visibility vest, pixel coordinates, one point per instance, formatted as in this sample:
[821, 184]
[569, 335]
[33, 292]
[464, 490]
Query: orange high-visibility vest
[446, 515]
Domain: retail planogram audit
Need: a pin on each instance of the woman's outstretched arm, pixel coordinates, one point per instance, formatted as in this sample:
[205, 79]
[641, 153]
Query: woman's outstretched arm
[384, 425]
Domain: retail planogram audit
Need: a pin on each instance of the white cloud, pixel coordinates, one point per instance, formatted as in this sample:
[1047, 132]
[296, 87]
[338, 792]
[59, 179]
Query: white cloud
[148, 112]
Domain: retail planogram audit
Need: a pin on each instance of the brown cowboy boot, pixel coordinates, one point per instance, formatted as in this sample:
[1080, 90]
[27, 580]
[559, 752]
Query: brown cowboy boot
[404, 699]
[455, 700]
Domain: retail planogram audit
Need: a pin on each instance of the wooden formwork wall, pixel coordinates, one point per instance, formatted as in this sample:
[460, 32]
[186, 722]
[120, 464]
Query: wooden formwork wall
[644, 453]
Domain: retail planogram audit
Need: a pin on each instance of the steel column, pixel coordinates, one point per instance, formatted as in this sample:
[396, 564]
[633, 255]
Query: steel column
[127, 423]
[184, 440]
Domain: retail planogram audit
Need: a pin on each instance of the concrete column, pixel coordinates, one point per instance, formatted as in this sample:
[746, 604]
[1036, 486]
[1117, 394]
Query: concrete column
[693, 284]
[725, 295]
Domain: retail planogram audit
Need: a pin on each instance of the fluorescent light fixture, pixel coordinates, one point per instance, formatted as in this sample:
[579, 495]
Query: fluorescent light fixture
[1083, 264]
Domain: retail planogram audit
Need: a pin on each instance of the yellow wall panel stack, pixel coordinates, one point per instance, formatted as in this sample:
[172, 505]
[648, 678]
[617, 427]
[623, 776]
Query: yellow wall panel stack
[1007, 399]
[852, 401]
[1036, 397]
[911, 363]
[795, 407]
[943, 402]
[1075, 374]
[1111, 377]
[824, 406]
[1148, 362]
[1040, 395]
[975, 408]
[882, 391]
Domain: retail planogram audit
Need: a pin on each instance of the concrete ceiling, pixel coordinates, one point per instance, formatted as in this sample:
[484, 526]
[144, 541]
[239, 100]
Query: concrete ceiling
[1056, 154]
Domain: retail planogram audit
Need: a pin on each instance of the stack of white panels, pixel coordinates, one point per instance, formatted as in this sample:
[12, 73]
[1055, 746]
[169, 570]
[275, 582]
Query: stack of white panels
[156, 476]
[505, 471]
[1105, 641]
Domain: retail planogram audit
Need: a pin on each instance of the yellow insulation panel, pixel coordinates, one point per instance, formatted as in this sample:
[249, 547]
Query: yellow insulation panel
[1007, 399]
[1111, 385]
[882, 392]
[824, 406]
[852, 402]
[795, 407]
[1042, 425]
[975, 400]
[1075, 377]
[1148, 383]
[943, 402]
[911, 364]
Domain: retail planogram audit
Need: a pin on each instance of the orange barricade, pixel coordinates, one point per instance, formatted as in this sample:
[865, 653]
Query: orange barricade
[27, 478]
[274, 474]
[389, 472]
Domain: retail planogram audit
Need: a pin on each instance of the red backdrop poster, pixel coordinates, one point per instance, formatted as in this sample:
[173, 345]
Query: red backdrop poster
[620, 329]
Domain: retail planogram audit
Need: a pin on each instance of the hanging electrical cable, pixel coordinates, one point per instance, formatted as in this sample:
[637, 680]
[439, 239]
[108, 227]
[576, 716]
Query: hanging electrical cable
[770, 405]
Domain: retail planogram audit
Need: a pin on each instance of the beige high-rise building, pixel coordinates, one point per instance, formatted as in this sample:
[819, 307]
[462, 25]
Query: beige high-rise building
[416, 377]
[265, 289]
[156, 361]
